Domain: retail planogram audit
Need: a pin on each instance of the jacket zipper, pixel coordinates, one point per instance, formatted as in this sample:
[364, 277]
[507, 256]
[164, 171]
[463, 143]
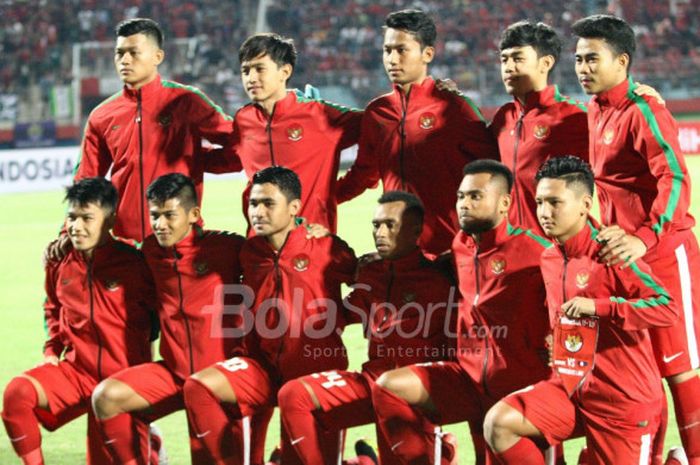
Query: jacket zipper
[518, 134]
[484, 368]
[563, 276]
[139, 120]
[390, 284]
[182, 312]
[278, 291]
[402, 134]
[268, 128]
[92, 320]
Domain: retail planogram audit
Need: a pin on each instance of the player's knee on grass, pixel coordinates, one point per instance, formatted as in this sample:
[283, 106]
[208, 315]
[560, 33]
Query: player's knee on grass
[404, 383]
[20, 393]
[110, 398]
[501, 427]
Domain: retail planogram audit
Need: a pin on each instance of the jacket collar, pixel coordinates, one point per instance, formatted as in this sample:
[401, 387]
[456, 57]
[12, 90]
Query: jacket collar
[295, 237]
[615, 96]
[579, 245]
[189, 242]
[101, 253]
[281, 106]
[537, 99]
[423, 89]
[407, 262]
[148, 92]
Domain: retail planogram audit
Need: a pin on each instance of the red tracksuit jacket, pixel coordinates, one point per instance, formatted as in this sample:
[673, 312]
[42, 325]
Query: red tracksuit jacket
[549, 124]
[408, 308]
[419, 143]
[289, 285]
[147, 133]
[188, 279]
[503, 318]
[625, 382]
[643, 183]
[99, 311]
[304, 135]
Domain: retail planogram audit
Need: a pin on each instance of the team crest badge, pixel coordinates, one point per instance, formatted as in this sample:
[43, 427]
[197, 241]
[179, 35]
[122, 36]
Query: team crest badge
[409, 297]
[582, 278]
[426, 121]
[573, 342]
[65, 281]
[541, 131]
[111, 284]
[201, 268]
[165, 120]
[295, 133]
[608, 136]
[301, 262]
[498, 265]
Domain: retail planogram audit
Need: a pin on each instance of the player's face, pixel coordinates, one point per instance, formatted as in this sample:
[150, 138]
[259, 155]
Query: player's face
[136, 58]
[88, 226]
[171, 222]
[265, 80]
[598, 68]
[395, 234]
[269, 211]
[481, 203]
[523, 71]
[562, 211]
[404, 60]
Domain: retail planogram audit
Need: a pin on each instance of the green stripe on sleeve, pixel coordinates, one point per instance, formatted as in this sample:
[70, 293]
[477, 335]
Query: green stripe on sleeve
[198, 93]
[471, 103]
[563, 98]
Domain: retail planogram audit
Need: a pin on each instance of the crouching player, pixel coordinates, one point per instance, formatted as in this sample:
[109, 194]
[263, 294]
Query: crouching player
[607, 385]
[501, 328]
[404, 302]
[99, 306]
[190, 265]
[296, 284]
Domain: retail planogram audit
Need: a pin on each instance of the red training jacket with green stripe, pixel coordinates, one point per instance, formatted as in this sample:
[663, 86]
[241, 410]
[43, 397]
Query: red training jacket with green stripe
[146, 133]
[643, 183]
[625, 381]
[419, 142]
[547, 125]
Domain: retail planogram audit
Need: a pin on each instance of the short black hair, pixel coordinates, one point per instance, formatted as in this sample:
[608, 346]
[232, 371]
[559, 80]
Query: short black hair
[615, 31]
[144, 26]
[173, 186]
[285, 179]
[540, 36]
[280, 49]
[416, 22]
[413, 205]
[493, 167]
[570, 169]
[97, 190]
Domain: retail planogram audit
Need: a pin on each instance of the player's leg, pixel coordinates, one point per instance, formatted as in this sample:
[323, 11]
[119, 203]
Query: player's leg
[542, 410]
[676, 348]
[218, 397]
[316, 407]
[411, 401]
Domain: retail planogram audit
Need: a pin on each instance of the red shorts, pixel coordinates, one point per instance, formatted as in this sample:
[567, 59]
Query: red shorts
[676, 347]
[156, 383]
[548, 407]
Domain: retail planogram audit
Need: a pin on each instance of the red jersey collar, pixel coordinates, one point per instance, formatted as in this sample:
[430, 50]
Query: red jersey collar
[188, 242]
[102, 253]
[407, 262]
[535, 99]
[579, 245]
[423, 89]
[617, 95]
[148, 92]
[281, 106]
[295, 237]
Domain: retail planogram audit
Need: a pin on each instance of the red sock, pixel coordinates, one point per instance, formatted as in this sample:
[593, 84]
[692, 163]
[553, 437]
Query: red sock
[686, 400]
[212, 426]
[523, 452]
[19, 401]
[409, 433]
[121, 438]
[296, 410]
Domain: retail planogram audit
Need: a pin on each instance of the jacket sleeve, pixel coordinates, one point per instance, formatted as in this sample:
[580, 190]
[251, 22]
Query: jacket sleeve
[477, 140]
[52, 314]
[210, 121]
[643, 303]
[656, 137]
[344, 262]
[94, 159]
[364, 173]
[356, 305]
[225, 159]
[346, 120]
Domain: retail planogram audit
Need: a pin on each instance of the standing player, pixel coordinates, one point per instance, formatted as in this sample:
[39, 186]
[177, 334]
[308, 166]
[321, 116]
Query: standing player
[540, 122]
[501, 327]
[100, 299]
[405, 303]
[282, 127]
[418, 138]
[296, 284]
[150, 128]
[644, 193]
[190, 266]
[608, 383]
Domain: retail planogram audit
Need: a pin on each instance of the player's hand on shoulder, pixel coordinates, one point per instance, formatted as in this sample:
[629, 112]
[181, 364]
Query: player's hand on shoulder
[57, 249]
[619, 247]
[446, 84]
[643, 89]
[579, 307]
[316, 231]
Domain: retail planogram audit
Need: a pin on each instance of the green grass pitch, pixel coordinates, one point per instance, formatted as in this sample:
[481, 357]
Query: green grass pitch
[31, 220]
